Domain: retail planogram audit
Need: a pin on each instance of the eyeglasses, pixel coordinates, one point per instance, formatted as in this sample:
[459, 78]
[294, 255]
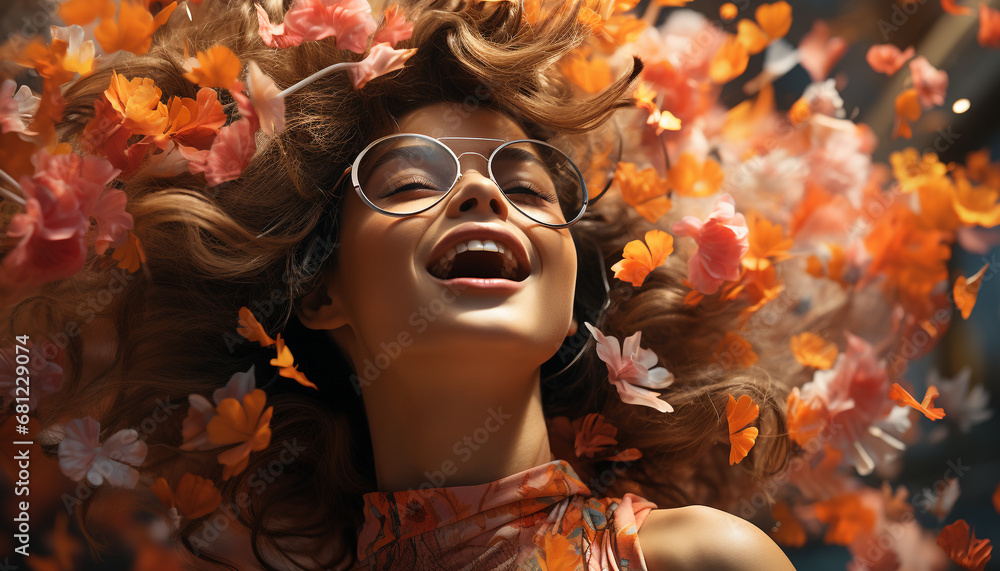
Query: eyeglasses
[408, 173]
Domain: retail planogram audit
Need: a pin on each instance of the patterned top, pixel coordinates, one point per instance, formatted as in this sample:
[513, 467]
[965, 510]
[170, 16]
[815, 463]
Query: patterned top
[542, 519]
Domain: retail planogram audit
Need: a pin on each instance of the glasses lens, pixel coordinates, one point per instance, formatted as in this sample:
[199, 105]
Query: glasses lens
[540, 180]
[406, 174]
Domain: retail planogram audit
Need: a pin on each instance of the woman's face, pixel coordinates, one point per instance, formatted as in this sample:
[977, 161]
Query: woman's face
[385, 287]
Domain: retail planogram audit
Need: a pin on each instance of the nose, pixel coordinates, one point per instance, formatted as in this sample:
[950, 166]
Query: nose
[476, 193]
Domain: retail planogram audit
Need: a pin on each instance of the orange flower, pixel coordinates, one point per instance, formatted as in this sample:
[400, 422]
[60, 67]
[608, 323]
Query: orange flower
[130, 255]
[963, 547]
[848, 518]
[664, 121]
[639, 259]
[728, 11]
[757, 288]
[195, 496]
[247, 424]
[751, 36]
[730, 61]
[689, 178]
[950, 7]
[644, 190]
[907, 111]
[913, 170]
[767, 243]
[644, 97]
[133, 30]
[285, 361]
[975, 205]
[137, 102]
[193, 122]
[734, 350]
[903, 398]
[911, 258]
[787, 530]
[741, 413]
[83, 12]
[966, 291]
[989, 27]
[216, 67]
[252, 329]
[835, 264]
[49, 60]
[813, 351]
[775, 19]
[805, 419]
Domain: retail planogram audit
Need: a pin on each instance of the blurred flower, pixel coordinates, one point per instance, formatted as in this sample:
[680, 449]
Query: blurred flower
[722, 243]
[887, 58]
[930, 82]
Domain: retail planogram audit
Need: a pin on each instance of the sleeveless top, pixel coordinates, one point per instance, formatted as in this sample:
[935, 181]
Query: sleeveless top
[541, 519]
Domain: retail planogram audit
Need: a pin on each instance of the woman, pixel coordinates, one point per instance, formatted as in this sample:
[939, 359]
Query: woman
[434, 383]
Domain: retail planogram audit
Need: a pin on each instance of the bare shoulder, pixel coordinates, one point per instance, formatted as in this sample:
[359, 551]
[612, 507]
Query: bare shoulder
[704, 538]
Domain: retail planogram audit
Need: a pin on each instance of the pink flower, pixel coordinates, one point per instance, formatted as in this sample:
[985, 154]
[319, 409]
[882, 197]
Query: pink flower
[349, 20]
[81, 455]
[854, 401]
[200, 412]
[274, 35]
[395, 28]
[72, 175]
[113, 223]
[16, 107]
[267, 101]
[60, 199]
[887, 58]
[45, 376]
[722, 242]
[931, 83]
[819, 52]
[230, 153]
[629, 367]
[381, 59]
[52, 243]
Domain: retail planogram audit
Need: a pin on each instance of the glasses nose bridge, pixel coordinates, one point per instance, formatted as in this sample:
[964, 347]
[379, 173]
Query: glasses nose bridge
[485, 163]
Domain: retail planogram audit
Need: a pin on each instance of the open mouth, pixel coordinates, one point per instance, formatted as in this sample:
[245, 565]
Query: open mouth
[478, 259]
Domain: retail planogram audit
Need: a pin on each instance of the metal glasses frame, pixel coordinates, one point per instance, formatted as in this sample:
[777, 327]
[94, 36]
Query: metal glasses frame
[353, 169]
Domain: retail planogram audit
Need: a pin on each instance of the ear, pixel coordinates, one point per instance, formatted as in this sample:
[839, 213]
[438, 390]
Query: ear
[321, 307]
[573, 326]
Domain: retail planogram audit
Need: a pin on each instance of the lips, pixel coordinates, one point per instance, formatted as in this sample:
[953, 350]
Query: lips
[476, 250]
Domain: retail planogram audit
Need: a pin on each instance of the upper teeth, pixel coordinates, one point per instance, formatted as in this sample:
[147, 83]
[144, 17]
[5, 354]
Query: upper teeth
[444, 264]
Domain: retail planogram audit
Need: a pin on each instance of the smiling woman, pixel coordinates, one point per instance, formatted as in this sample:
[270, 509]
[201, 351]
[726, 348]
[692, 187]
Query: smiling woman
[434, 299]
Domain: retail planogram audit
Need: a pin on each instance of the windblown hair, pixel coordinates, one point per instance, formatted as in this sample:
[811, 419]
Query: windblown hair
[264, 240]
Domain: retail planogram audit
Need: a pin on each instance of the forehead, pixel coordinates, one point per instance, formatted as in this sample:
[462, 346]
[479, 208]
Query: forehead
[445, 119]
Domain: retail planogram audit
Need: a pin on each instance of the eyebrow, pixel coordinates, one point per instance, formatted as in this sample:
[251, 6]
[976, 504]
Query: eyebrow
[418, 152]
[412, 152]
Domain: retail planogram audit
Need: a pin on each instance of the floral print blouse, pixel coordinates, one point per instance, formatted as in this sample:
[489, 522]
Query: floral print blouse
[541, 519]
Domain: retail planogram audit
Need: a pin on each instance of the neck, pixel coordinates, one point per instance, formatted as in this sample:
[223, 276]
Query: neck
[454, 427]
